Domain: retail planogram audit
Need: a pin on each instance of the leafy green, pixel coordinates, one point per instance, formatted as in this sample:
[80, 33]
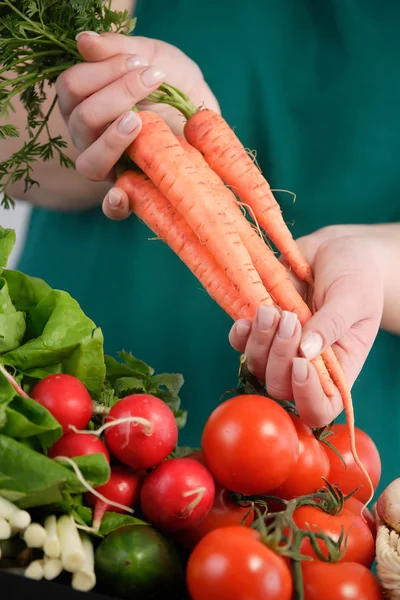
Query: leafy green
[37, 43]
[12, 322]
[8, 239]
[112, 520]
[32, 479]
[60, 336]
[27, 418]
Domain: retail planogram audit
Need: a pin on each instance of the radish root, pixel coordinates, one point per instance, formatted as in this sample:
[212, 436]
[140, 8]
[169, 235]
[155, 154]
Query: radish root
[89, 487]
[147, 426]
[12, 381]
[198, 493]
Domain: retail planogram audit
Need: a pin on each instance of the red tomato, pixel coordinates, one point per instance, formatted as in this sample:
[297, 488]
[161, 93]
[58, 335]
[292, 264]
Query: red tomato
[223, 513]
[232, 564]
[360, 542]
[339, 581]
[312, 465]
[250, 444]
[66, 398]
[356, 507]
[348, 479]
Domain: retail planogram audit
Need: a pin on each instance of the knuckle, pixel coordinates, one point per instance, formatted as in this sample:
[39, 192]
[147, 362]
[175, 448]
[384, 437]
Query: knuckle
[89, 168]
[130, 87]
[87, 116]
[278, 390]
[337, 327]
[67, 83]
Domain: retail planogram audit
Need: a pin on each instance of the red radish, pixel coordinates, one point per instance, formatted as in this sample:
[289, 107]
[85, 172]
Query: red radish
[179, 493]
[148, 441]
[78, 444]
[122, 487]
[66, 398]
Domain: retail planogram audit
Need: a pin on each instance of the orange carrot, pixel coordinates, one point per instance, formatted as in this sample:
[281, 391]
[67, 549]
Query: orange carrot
[272, 272]
[159, 154]
[151, 207]
[211, 135]
[277, 282]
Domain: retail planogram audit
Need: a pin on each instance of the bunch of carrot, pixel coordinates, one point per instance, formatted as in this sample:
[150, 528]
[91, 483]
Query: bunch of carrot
[181, 192]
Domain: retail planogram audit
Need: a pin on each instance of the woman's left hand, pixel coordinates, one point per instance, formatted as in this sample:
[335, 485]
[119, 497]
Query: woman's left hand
[347, 302]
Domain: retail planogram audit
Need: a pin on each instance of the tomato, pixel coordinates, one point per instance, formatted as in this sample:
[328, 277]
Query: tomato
[360, 542]
[339, 581]
[232, 563]
[357, 507]
[250, 444]
[223, 513]
[348, 479]
[312, 465]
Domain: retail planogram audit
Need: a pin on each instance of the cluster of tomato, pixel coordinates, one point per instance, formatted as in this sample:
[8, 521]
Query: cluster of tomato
[252, 446]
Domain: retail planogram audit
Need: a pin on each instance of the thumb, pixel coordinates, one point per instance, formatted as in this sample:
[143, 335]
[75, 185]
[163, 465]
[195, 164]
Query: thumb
[341, 309]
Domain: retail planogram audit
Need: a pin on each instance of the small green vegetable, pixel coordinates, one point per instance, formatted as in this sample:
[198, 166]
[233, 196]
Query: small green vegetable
[136, 561]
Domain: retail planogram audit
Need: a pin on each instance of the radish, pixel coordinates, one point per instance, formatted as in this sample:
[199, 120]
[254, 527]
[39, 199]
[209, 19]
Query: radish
[388, 505]
[179, 493]
[78, 444]
[66, 398]
[122, 487]
[141, 431]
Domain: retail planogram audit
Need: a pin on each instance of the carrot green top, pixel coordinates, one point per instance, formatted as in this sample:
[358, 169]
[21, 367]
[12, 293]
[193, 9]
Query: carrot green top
[312, 86]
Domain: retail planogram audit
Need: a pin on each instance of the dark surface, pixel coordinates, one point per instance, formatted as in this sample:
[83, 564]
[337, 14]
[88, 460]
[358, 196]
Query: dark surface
[19, 588]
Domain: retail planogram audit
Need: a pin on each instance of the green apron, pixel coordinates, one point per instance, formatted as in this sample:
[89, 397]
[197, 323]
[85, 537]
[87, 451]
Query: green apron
[314, 87]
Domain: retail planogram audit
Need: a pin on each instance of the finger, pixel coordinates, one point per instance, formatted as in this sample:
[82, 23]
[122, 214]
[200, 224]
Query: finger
[89, 118]
[94, 47]
[116, 205]
[97, 162]
[284, 348]
[239, 334]
[343, 306]
[260, 340]
[81, 81]
[315, 409]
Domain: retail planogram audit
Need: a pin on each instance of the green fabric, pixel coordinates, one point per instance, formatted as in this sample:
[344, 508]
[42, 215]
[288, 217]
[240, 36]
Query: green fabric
[314, 87]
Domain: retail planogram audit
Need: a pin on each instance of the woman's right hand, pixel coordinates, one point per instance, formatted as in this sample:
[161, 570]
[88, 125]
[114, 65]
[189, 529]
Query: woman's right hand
[96, 96]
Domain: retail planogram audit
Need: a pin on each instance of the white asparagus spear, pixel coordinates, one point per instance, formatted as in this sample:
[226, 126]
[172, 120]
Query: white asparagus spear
[35, 535]
[52, 568]
[34, 570]
[72, 554]
[5, 529]
[19, 519]
[51, 546]
[84, 580]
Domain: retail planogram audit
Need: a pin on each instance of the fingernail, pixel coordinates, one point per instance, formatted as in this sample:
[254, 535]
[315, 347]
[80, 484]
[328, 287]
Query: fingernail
[78, 35]
[128, 123]
[265, 317]
[152, 76]
[243, 328]
[114, 199]
[312, 345]
[300, 369]
[287, 325]
[135, 61]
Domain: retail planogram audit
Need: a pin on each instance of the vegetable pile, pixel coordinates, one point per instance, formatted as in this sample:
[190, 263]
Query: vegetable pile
[97, 493]
[94, 485]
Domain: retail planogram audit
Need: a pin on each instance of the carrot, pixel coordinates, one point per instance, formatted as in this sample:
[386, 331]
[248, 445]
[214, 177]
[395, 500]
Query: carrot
[272, 272]
[151, 207]
[277, 282]
[211, 135]
[159, 154]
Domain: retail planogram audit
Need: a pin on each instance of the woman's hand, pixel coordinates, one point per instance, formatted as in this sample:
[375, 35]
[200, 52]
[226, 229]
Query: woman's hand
[348, 304]
[96, 97]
